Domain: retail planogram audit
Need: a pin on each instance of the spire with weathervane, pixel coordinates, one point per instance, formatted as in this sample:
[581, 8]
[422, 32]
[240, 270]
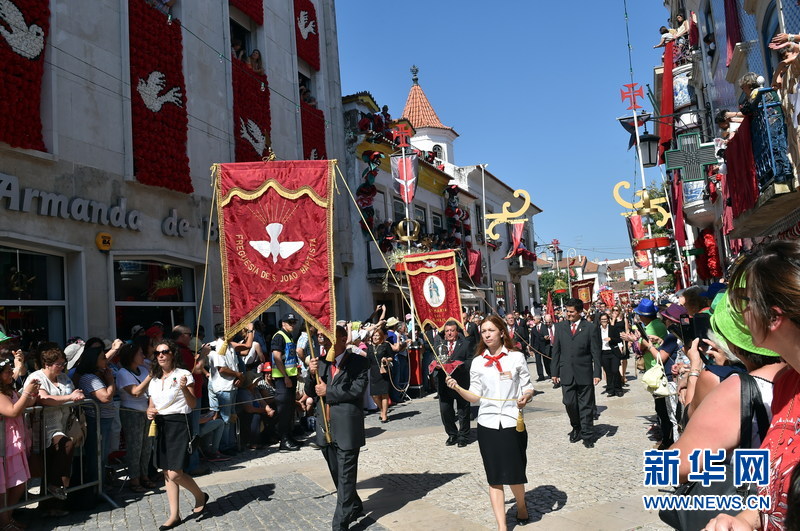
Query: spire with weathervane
[420, 113]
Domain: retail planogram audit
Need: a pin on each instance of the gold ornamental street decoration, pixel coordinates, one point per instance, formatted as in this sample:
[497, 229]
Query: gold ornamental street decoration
[644, 202]
[506, 216]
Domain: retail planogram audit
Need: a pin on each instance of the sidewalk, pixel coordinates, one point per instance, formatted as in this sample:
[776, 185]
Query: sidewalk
[409, 479]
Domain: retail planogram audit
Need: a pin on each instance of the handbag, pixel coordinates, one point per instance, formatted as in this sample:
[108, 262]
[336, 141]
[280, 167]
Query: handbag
[655, 379]
[752, 405]
[76, 426]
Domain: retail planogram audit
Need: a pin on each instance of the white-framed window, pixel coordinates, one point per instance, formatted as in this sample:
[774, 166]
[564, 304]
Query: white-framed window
[398, 210]
[33, 295]
[437, 222]
[148, 290]
[421, 215]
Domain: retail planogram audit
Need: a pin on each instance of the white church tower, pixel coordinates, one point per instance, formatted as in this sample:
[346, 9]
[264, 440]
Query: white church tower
[431, 133]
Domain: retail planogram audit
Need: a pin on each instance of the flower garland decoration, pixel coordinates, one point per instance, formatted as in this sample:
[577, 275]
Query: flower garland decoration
[252, 8]
[366, 192]
[158, 99]
[22, 57]
[306, 29]
[251, 115]
[712, 254]
[701, 260]
[313, 125]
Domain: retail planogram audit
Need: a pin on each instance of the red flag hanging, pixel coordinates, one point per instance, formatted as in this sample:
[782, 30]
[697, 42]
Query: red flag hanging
[582, 289]
[312, 121]
[665, 128]
[474, 258]
[306, 31]
[158, 99]
[251, 116]
[404, 174]
[636, 232]
[22, 56]
[516, 238]
[550, 310]
[433, 281]
[275, 223]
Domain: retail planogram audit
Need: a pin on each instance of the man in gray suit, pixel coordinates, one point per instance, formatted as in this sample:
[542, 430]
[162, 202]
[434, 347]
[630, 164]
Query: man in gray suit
[342, 384]
[576, 366]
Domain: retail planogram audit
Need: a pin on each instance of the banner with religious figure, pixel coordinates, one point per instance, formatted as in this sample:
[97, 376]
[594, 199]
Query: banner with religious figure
[582, 289]
[433, 281]
[624, 298]
[607, 296]
[404, 176]
[275, 226]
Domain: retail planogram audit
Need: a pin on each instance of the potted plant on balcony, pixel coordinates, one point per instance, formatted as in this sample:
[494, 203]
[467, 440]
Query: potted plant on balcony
[167, 287]
[559, 286]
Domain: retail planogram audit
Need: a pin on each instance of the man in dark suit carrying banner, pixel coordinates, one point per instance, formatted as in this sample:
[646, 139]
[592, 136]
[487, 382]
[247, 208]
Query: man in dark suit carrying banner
[455, 353]
[342, 383]
[576, 366]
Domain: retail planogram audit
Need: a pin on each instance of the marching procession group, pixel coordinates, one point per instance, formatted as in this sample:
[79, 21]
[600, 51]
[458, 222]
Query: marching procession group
[178, 398]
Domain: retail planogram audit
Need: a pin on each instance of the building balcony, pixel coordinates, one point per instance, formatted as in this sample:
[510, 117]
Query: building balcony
[762, 182]
[519, 266]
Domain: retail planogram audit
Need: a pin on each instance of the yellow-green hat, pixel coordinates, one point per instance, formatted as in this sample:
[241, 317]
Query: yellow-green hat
[729, 323]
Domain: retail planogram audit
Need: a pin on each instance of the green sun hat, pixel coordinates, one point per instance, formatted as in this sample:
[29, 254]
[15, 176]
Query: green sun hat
[729, 323]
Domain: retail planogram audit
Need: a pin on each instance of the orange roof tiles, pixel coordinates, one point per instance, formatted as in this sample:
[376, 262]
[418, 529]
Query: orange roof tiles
[419, 111]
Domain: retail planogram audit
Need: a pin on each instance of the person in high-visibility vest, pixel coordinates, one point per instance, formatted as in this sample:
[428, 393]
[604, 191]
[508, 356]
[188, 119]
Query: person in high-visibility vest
[284, 374]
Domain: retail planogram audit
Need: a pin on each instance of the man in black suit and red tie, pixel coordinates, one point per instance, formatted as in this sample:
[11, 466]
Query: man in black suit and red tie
[452, 349]
[517, 333]
[342, 384]
[576, 366]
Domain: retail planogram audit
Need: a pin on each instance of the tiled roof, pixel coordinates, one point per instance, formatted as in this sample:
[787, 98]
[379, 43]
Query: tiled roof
[618, 266]
[592, 267]
[621, 286]
[419, 111]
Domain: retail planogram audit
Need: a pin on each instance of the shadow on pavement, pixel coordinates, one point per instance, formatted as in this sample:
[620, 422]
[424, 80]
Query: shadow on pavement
[540, 501]
[373, 431]
[233, 501]
[605, 430]
[402, 415]
[391, 498]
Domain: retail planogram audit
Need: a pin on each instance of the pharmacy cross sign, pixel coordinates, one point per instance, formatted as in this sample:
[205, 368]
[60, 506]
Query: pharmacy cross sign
[690, 157]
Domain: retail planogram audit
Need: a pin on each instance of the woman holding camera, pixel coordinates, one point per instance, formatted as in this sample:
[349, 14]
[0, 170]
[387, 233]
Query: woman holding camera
[379, 355]
[171, 401]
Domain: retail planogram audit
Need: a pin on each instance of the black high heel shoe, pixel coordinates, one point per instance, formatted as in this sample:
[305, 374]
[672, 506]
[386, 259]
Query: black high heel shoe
[198, 509]
[174, 524]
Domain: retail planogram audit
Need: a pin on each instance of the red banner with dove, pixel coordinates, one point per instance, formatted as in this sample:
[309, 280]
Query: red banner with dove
[433, 282]
[275, 224]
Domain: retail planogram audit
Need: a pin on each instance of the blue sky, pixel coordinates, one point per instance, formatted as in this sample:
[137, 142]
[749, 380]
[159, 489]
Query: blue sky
[532, 88]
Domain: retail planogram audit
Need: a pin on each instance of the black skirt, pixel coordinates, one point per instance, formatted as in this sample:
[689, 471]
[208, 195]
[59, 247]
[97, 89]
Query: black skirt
[504, 455]
[172, 441]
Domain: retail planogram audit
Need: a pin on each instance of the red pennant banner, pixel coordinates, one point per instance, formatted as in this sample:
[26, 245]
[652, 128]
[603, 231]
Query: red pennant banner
[27, 24]
[158, 99]
[275, 223]
[306, 30]
[624, 298]
[608, 297]
[252, 8]
[474, 260]
[433, 281]
[404, 176]
[251, 117]
[582, 289]
[313, 124]
[636, 232]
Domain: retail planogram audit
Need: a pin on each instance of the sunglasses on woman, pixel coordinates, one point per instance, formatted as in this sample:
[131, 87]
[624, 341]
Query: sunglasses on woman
[163, 352]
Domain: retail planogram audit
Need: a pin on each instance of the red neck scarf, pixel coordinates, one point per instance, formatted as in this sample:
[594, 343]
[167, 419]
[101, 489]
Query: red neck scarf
[494, 360]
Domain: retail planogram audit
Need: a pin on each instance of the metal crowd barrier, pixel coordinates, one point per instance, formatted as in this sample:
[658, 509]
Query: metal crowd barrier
[39, 448]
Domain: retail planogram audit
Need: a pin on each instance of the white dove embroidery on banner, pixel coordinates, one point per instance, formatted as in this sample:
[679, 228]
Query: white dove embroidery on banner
[305, 26]
[430, 263]
[274, 247]
[253, 134]
[27, 41]
[150, 89]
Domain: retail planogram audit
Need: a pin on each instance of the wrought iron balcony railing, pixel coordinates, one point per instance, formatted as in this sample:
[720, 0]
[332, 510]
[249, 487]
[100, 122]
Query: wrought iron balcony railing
[768, 133]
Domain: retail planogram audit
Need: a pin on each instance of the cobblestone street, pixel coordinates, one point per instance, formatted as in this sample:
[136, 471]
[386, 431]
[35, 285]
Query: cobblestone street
[409, 479]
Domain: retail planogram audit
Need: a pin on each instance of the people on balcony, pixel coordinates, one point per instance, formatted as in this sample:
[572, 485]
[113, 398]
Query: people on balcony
[255, 63]
[728, 122]
[788, 55]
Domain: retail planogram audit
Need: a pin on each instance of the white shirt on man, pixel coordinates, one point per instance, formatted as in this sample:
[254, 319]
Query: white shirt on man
[220, 382]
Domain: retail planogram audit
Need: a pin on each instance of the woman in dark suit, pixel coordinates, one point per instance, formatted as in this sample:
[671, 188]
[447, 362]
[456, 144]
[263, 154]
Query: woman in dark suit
[609, 354]
[379, 354]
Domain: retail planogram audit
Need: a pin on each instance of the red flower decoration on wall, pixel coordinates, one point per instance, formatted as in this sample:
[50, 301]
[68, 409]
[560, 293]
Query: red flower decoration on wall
[251, 116]
[313, 122]
[701, 260]
[306, 29]
[712, 253]
[22, 60]
[252, 8]
[158, 99]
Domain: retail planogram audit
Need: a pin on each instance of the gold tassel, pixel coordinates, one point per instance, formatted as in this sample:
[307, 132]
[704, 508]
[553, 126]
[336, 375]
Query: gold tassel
[520, 422]
[331, 355]
[152, 432]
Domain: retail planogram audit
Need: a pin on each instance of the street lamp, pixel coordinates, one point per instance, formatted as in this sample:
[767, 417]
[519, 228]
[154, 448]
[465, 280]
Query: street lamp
[649, 145]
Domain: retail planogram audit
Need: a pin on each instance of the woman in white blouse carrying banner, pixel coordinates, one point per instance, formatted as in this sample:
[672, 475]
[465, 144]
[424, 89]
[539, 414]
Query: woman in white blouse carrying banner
[171, 402]
[500, 372]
